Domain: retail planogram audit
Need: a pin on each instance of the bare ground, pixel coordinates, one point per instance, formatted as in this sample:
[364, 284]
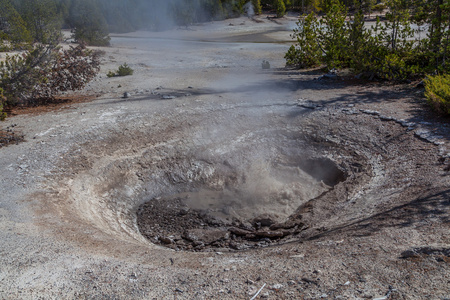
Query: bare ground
[204, 120]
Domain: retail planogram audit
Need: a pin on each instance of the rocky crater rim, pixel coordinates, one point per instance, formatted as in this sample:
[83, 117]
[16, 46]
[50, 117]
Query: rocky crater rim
[250, 187]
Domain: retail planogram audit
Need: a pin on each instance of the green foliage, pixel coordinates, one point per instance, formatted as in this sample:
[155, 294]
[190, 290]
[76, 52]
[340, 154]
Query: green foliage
[437, 92]
[334, 40]
[123, 70]
[89, 25]
[15, 30]
[387, 50]
[70, 70]
[44, 71]
[257, 6]
[280, 8]
[379, 7]
[316, 46]
[2, 102]
[307, 52]
[111, 74]
[20, 74]
[41, 18]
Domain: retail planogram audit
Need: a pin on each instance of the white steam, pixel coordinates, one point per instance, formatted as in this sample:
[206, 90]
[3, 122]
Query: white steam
[249, 9]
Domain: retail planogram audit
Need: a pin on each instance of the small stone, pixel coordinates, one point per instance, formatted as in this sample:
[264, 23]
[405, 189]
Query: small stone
[385, 118]
[126, 95]
[370, 112]
[198, 244]
[276, 286]
[409, 254]
[347, 283]
[184, 211]
[264, 219]
[328, 77]
[165, 240]
[271, 234]
[309, 104]
[239, 231]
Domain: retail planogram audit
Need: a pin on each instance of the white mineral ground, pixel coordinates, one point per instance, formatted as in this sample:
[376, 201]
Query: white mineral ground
[199, 97]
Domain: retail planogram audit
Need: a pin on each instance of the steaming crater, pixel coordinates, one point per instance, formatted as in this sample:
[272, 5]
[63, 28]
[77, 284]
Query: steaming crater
[202, 188]
[241, 204]
[246, 195]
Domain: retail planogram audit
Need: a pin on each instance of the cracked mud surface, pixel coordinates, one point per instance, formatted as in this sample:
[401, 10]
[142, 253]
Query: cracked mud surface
[312, 189]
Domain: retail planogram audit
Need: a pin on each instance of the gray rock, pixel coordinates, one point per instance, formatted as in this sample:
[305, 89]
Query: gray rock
[308, 104]
[206, 236]
[385, 118]
[328, 77]
[165, 240]
[348, 111]
[276, 286]
[264, 219]
[370, 112]
[126, 95]
[405, 123]
[428, 136]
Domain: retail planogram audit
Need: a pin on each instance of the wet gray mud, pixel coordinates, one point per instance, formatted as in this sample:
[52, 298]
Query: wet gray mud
[248, 200]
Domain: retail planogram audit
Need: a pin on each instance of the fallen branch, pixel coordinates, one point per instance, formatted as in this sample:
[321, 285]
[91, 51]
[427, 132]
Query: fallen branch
[257, 293]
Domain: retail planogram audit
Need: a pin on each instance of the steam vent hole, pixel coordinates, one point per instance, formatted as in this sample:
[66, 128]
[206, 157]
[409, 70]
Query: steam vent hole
[244, 202]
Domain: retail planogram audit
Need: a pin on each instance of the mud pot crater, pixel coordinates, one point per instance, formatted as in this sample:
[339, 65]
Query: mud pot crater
[249, 200]
[197, 188]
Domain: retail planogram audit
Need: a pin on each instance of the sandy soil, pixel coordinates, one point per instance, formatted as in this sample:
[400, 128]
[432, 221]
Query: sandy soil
[203, 115]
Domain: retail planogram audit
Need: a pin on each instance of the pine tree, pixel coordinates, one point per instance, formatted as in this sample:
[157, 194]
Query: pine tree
[14, 27]
[42, 19]
[88, 23]
[280, 8]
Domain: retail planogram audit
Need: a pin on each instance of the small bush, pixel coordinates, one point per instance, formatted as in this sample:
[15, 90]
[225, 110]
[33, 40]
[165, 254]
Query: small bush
[265, 65]
[2, 101]
[437, 92]
[123, 70]
[379, 7]
[280, 7]
[41, 73]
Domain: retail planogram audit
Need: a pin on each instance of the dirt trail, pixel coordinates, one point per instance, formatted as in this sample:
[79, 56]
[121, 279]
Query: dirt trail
[357, 174]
